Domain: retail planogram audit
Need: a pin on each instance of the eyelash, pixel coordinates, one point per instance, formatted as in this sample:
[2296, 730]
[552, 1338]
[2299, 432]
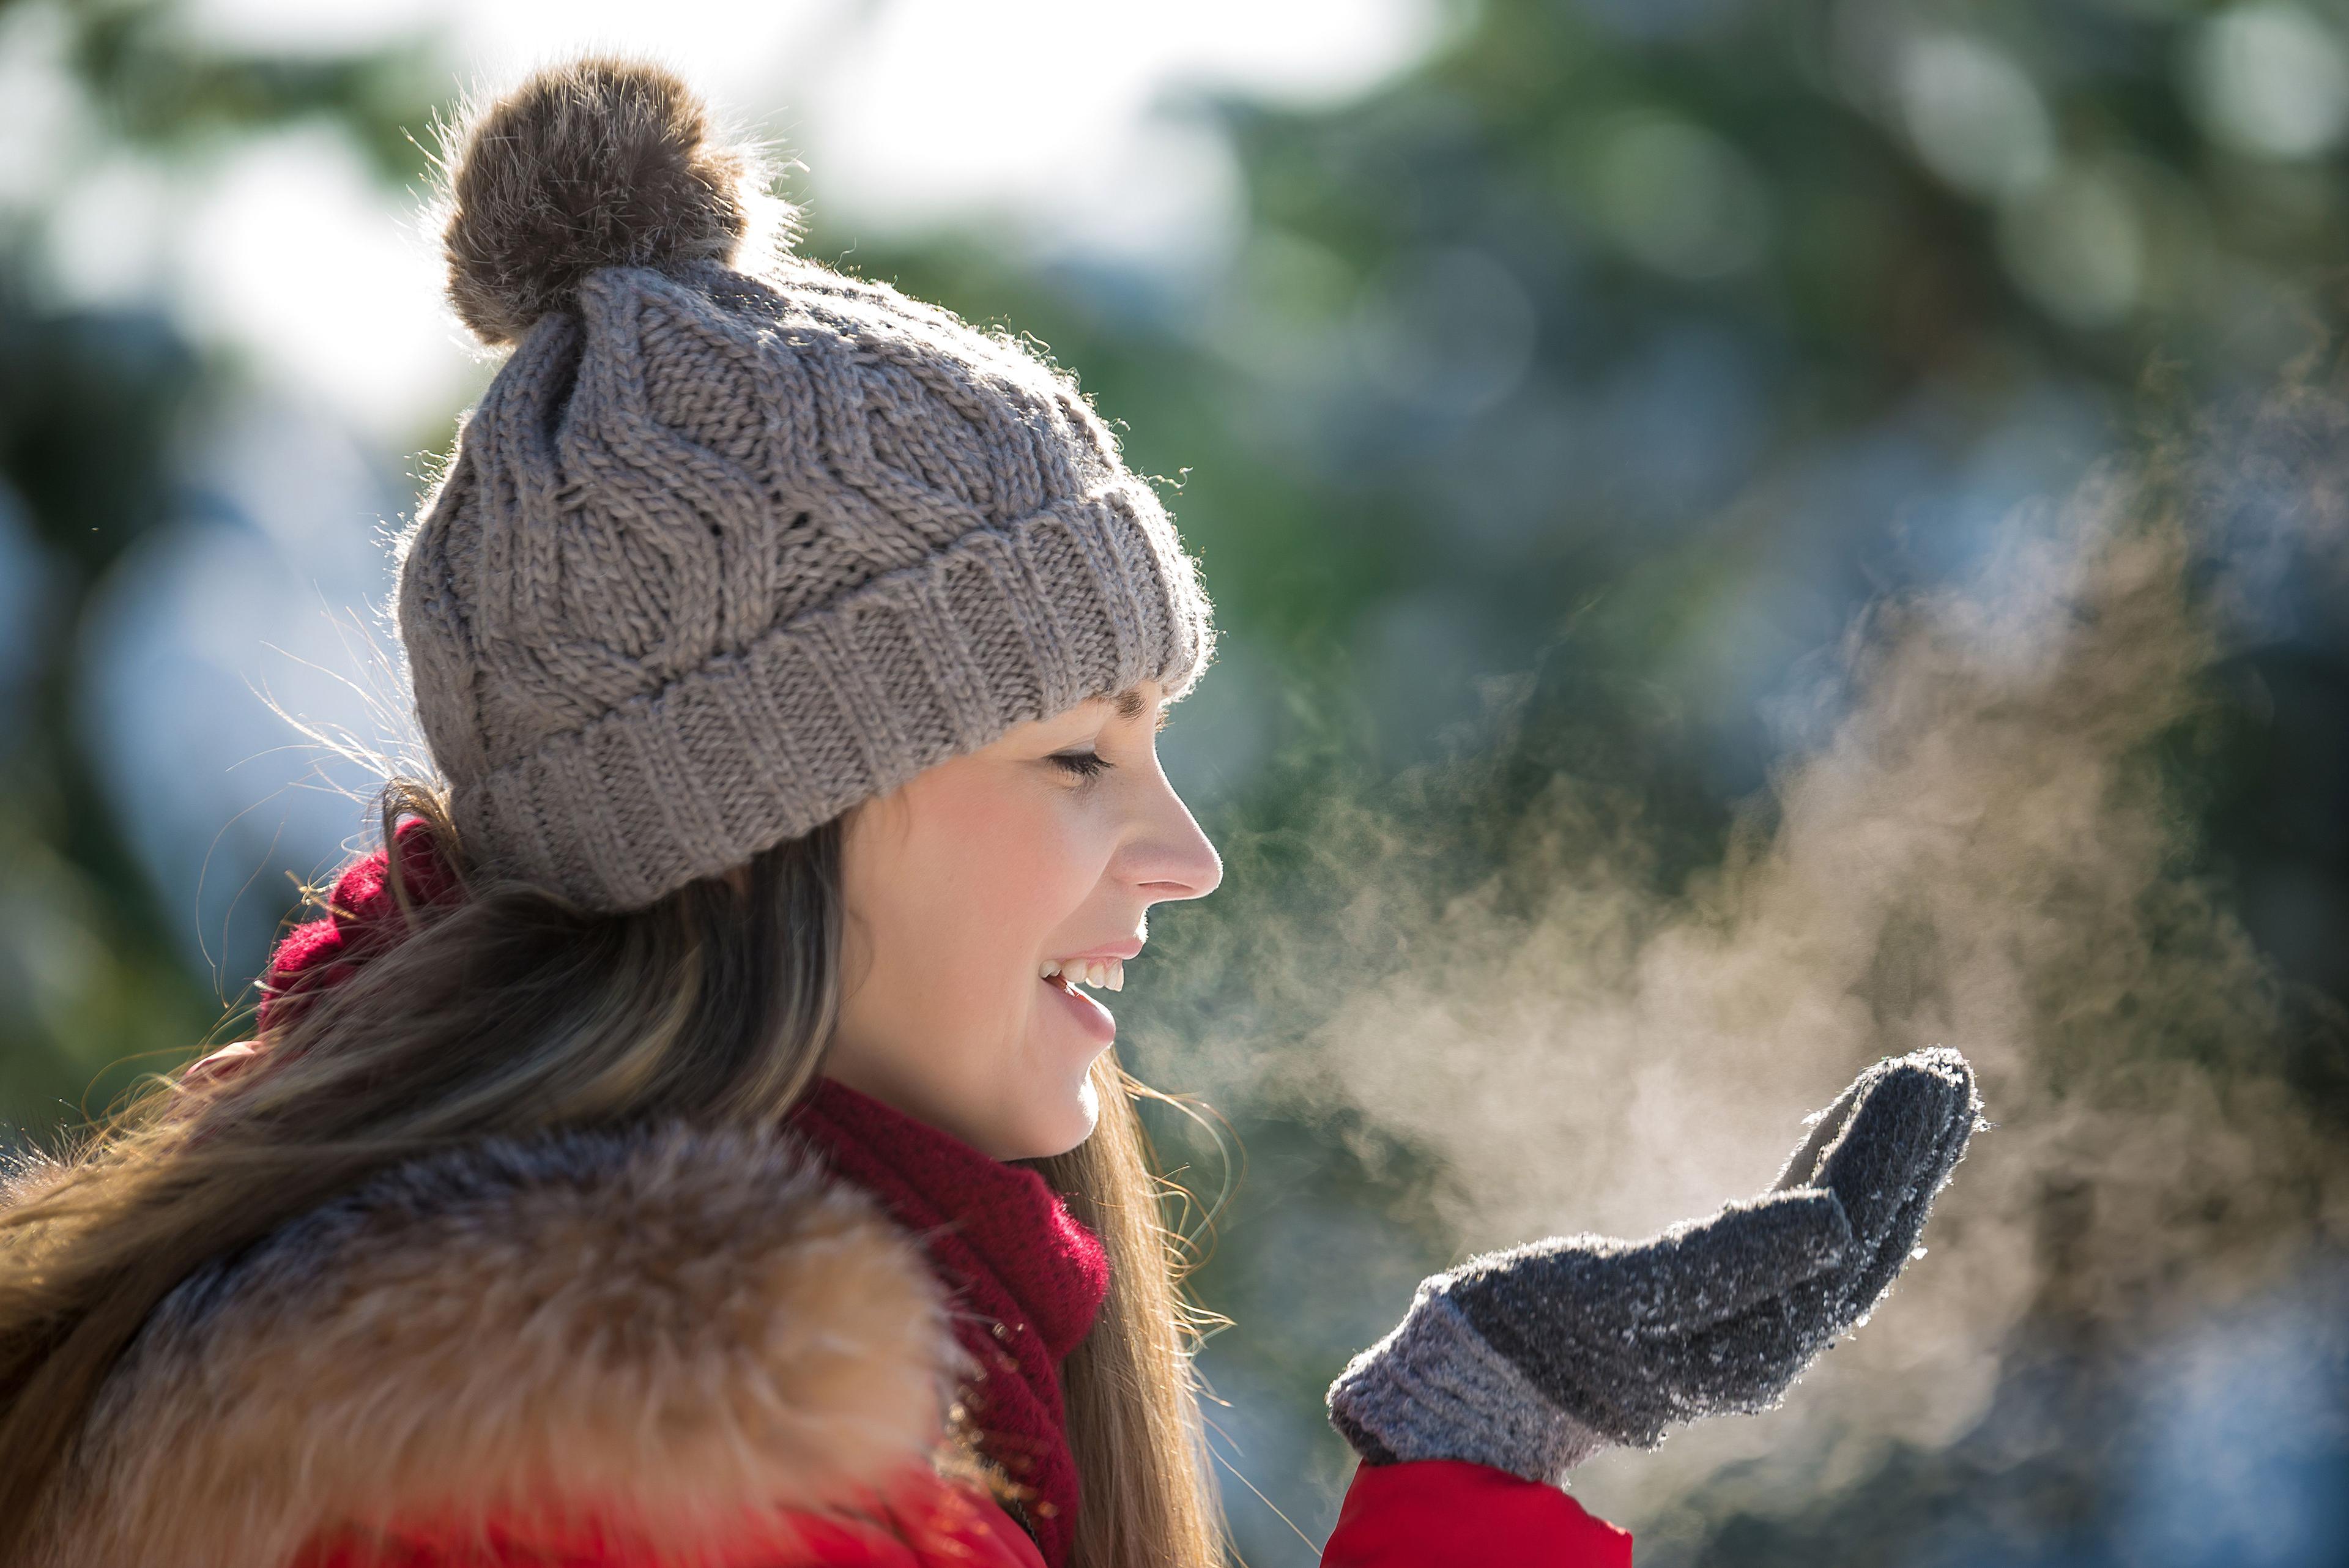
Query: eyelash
[1093, 764]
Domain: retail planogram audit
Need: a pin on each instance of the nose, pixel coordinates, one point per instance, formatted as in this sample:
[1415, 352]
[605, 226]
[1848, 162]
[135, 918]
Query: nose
[1172, 858]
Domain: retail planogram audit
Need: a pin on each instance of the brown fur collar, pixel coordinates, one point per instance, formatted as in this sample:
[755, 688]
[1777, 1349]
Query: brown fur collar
[674, 1326]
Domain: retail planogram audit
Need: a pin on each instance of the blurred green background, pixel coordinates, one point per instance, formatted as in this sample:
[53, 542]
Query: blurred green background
[1633, 448]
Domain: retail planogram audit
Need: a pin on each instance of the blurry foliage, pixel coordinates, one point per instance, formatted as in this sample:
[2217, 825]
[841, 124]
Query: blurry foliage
[158, 88]
[92, 987]
[1599, 372]
[86, 969]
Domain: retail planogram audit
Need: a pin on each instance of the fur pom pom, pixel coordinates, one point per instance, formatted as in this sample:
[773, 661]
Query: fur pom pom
[602, 161]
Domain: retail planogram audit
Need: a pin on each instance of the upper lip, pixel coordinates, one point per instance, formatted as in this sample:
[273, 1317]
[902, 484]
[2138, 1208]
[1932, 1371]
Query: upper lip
[1120, 950]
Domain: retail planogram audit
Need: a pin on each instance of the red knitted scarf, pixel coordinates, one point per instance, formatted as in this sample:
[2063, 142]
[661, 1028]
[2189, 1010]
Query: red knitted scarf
[1029, 1277]
[363, 920]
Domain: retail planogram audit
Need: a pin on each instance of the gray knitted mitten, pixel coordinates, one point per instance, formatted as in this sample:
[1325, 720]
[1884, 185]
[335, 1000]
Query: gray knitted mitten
[1534, 1358]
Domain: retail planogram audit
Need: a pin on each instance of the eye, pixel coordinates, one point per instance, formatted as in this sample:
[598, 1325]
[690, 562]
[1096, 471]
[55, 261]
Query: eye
[1084, 765]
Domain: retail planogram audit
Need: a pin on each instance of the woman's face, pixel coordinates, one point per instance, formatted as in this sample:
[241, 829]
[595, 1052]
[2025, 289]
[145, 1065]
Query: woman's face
[963, 883]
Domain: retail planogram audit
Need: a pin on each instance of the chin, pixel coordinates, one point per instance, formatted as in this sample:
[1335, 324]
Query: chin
[1074, 1116]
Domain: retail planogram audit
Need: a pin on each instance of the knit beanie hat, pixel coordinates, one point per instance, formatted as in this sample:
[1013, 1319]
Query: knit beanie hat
[734, 541]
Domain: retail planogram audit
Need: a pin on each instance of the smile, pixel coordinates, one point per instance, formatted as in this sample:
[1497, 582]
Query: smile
[1103, 974]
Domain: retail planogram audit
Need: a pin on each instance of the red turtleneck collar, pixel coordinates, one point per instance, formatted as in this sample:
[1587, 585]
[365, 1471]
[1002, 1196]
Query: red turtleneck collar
[1028, 1277]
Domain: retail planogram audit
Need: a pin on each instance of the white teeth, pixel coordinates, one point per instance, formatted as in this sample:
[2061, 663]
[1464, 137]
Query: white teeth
[1108, 974]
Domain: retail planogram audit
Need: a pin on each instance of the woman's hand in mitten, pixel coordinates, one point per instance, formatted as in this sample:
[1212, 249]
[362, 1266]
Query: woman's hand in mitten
[1534, 1358]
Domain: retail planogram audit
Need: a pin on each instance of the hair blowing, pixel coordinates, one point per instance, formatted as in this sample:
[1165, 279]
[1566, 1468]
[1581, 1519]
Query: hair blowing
[512, 1010]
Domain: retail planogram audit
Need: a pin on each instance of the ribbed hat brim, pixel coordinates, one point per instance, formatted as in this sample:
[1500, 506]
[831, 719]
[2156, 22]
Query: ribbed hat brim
[846, 701]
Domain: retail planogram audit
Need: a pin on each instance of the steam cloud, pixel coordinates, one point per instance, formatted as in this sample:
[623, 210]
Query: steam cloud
[1983, 843]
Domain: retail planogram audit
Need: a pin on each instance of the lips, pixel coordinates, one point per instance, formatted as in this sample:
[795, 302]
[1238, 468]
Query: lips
[1098, 1022]
[1130, 948]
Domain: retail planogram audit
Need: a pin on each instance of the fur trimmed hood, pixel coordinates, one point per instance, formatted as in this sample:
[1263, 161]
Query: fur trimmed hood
[681, 1326]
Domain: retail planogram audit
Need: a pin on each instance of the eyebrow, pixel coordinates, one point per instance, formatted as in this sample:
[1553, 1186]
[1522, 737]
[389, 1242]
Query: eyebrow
[1130, 703]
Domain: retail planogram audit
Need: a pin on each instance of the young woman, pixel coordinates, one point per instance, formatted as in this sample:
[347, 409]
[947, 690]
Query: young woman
[687, 1140]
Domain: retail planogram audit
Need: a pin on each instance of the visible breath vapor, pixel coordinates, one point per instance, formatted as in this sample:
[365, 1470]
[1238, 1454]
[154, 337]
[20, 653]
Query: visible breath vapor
[1984, 842]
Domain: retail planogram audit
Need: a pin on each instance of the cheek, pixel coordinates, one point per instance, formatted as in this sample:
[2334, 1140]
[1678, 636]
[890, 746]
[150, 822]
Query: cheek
[987, 876]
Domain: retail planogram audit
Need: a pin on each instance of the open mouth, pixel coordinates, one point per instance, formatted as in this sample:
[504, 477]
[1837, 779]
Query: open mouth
[1068, 983]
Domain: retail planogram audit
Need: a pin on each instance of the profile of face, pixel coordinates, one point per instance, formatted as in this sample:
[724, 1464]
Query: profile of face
[963, 885]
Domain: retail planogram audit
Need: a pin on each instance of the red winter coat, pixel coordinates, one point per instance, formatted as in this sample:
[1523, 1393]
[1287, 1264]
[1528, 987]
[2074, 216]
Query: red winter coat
[663, 1347]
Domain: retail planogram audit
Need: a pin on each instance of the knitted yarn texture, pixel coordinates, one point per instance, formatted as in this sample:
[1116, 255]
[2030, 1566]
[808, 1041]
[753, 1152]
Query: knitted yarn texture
[724, 549]
[1028, 1277]
[1532, 1358]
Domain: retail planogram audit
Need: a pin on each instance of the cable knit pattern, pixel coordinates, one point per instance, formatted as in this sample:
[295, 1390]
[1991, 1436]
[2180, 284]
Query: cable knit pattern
[722, 553]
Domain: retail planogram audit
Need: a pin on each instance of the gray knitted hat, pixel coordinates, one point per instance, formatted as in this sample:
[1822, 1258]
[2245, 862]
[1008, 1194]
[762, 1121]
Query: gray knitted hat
[734, 541]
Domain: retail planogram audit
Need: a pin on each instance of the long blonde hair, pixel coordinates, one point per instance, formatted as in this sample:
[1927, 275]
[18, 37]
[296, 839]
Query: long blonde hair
[512, 1011]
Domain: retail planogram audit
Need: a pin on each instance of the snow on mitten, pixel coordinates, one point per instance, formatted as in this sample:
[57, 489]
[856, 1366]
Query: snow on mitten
[1532, 1358]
